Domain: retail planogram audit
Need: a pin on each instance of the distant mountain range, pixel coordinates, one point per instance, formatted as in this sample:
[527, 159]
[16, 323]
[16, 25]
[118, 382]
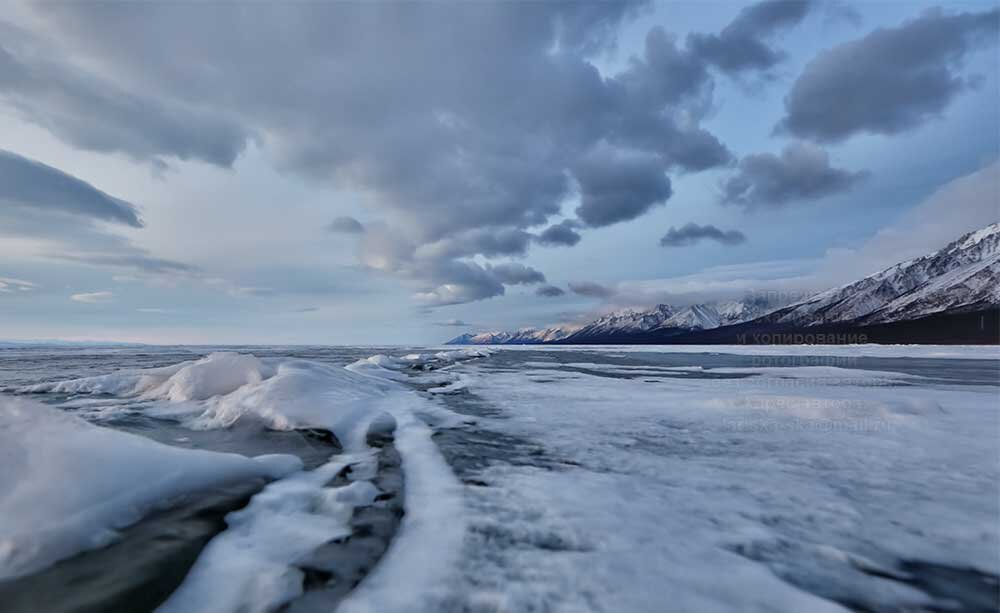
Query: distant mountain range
[949, 296]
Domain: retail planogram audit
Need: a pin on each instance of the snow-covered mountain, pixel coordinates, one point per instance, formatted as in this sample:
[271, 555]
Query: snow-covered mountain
[960, 278]
[631, 321]
[963, 276]
[523, 336]
[667, 319]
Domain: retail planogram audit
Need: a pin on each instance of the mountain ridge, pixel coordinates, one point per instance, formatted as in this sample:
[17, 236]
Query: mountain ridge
[962, 277]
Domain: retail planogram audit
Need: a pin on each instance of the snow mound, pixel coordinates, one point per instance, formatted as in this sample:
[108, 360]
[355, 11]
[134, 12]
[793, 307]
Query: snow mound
[223, 388]
[304, 394]
[214, 375]
[68, 485]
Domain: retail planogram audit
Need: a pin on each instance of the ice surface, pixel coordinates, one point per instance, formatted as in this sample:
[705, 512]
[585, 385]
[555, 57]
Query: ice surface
[782, 490]
[67, 485]
[404, 368]
[649, 483]
[958, 352]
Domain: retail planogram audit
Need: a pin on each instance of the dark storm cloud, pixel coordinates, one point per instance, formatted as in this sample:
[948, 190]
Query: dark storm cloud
[549, 291]
[591, 289]
[90, 112]
[346, 225]
[801, 172]
[889, 81]
[464, 124]
[562, 233]
[691, 233]
[615, 187]
[743, 44]
[32, 184]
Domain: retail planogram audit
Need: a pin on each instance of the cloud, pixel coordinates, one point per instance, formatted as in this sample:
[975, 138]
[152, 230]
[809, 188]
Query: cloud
[252, 291]
[489, 243]
[29, 183]
[742, 45]
[64, 217]
[617, 186]
[591, 289]
[9, 285]
[549, 291]
[92, 297]
[381, 89]
[442, 276]
[137, 261]
[516, 274]
[801, 172]
[55, 215]
[94, 113]
[889, 81]
[452, 323]
[560, 234]
[691, 233]
[346, 225]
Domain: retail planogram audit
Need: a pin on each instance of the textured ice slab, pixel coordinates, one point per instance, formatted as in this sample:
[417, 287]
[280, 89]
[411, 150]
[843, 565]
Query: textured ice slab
[251, 566]
[67, 486]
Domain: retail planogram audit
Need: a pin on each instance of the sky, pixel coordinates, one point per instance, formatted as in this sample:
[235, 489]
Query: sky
[400, 173]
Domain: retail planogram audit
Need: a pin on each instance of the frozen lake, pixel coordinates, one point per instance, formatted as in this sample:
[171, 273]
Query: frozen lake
[525, 479]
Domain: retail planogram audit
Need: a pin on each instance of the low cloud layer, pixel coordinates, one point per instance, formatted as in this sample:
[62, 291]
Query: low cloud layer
[453, 323]
[48, 213]
[9, 285]
[92, 297]
[346, 225]
[801, 173]
[549, 291]
[560, 234]
[31, 184]
[590, 289]
[691, 233]
[889, 81]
